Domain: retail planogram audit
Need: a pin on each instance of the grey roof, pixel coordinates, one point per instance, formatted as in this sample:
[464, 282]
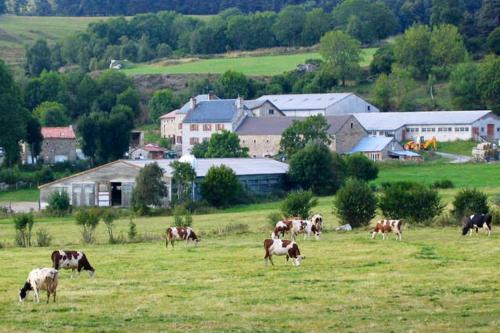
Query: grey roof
[277, 125]
[304, 101]
[372, 143]
[199, 98]
[241, 166]
[254, 103]
[221, 110]
[395, 120]
[407, 153]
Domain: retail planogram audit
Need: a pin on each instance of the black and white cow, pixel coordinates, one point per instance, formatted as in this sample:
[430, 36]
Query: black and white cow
[476, 221]
[74, 260]
[40, 279]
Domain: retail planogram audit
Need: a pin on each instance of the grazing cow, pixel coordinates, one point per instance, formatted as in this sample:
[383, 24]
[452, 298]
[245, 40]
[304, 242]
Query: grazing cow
[477, 221]
[187, 234]
[317, 220]
[40, 279]
[385, 226]
[296, 226]
[284, 247]
[281, 227]
[74, 260]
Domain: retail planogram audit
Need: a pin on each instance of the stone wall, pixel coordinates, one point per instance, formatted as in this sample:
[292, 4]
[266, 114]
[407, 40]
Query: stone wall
[58, 147]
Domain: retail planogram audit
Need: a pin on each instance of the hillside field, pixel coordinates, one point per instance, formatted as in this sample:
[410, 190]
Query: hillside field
[267, 65]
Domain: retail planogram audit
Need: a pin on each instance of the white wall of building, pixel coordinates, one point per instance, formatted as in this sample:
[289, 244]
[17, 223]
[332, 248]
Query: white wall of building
[350, 104]
[482, 125]
[193, 133]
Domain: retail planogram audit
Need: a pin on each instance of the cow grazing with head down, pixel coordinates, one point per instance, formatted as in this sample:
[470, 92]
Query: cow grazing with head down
[476, 221]
[317, 220]
[295, 227]
[187, 234]
[385, 226]
[281, 227]
[74, 260]
[40, 279]
[284, 247]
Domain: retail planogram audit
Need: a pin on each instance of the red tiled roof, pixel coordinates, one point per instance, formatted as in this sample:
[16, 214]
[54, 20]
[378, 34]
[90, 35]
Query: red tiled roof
[152, 147]
[58, 132]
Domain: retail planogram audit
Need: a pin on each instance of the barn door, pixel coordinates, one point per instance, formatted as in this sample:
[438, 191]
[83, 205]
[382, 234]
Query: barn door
[103, 195]
[76, 194]
[127, 189]
[89, 194]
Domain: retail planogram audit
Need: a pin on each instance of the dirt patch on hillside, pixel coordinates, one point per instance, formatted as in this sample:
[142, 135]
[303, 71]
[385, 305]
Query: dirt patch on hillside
[148, 84]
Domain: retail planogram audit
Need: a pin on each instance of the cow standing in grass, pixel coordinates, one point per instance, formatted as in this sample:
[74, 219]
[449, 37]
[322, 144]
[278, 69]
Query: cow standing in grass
[284, 247]
[386, 226]
[317, 220]
[187, 234]
[295, 227]
[40, 279]
[74, 260]
[476, 221]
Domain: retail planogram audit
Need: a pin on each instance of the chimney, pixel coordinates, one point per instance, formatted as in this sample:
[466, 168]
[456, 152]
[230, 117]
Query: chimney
[239, 102]
[211, 96]
[193, 103]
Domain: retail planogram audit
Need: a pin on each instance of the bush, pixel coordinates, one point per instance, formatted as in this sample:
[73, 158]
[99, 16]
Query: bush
[443, 184]
[132, 230]
[88, 219]
[412, 201]
[361, 167]
[23, 224]
[182, 217]
[43, 238]
[221, 187]
[274, 217]
[108, 217]
[298, 204]
[59, 203]
[469, 201]
[355, 203]
[444, 220]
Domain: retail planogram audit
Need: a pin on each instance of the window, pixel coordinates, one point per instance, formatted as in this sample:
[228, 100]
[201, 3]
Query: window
[207, 127]
[179, 139]
[352, 125]
[219, 127]
[180, 126]
[368, 107]
[271, 112]
[482, 129]
[466, 129]
[193, 127]
[194, 141]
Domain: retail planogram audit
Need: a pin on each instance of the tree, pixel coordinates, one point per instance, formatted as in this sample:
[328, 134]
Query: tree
[162, 102]
[342, 52]
[130, 97]
[394, 92]
[314, 168]
[88, 219]
[221, 187]
[316, 24]
[489, 82]
[149, 190]
[88, 132]
[289, 25]
[355, 203]
[183, 178]
[13, 116]
[23, 224]
[34, 137]
[38, 58]
[59, 203]
[312, 129]
[382, 93]
[361, 167]
[464, 90]
[233, 84]
[487, 16]
[52, 114]
[447, 11]
[298, 204]
[413, 51]
[382, 60]
[182, 217]
[494, 41]
[225, 144]
[111, 84]
[447, 49]
[469, 201]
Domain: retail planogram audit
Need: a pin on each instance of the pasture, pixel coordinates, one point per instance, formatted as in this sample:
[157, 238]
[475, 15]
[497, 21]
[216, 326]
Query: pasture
[434, 280]
[266, 65]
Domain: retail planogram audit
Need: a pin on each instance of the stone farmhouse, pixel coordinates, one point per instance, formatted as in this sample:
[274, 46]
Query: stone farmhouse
[262, 135]
[112, 184]
[443, 125]
[59, 144]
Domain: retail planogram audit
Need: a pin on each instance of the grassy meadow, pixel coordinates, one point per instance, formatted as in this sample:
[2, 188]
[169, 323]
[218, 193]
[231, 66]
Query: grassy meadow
[266, 65]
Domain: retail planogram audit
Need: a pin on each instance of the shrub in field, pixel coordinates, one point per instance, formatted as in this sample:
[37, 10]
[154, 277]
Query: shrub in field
[221, 187]
[88, 219]
[355, 203]
[182, 217]
[59, 203]
[108, 217]
[298, 204]
[23, 224]
[469, 201]
[43, 238]
[149, 190]
[444, 220]
[361, 167]
[273, 218]
[443, 184]
[132, 230]
[411, 201]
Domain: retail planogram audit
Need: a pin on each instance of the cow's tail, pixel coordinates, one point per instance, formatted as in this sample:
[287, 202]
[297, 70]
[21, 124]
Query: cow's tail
[168, 237]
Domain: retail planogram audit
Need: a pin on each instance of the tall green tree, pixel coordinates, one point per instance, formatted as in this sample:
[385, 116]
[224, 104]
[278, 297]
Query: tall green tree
[489, 82]
[221, 187]
[355, 203]
[162, 102]
[289, 25]
[494, 41]
[311, 129]
[447, 11]
[464, 89]
[316, 24]
[38, 58]
[448, 49]
[232, 84]
[183, 178]
[225, 144]
[88, 132]
[342, 53]
[413, 51]
[13, 116]
[150, 189]
[34, 137]
[52, 114]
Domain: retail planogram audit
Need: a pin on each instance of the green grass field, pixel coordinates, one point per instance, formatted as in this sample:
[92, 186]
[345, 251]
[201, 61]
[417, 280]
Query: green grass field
[460, 147]
[431, 281]
[248, 65]
[31, 194]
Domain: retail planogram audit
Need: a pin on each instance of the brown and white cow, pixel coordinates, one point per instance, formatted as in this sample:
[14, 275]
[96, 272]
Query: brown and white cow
[40, 279]
[74, 260]
[282, 227]
[295, 227]
[283, 247]
[385, 226]
[187, 234]
[317, 220]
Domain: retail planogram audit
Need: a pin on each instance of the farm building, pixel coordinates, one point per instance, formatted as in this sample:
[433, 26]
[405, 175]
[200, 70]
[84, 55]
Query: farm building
[332, 104]
[112, 184]
[262, 135]
[59, 144]
[443, 125]
[380, 148]
[148, 152]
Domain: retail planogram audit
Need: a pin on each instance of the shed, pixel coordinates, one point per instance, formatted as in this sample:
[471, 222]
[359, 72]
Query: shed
[377, 148]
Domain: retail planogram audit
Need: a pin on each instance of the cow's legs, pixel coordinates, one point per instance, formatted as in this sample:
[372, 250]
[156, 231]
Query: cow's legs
[54, 294]
[48, 295]
[487, 229]
[374, 234]
[37, 298]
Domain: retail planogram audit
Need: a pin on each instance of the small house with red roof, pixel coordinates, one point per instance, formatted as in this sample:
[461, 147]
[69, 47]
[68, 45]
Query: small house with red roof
[59, 144]
[148, 152]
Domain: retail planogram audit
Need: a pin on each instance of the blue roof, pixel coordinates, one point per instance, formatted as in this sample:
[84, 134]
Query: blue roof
[372, 143]
[222, 111]
[200, 98]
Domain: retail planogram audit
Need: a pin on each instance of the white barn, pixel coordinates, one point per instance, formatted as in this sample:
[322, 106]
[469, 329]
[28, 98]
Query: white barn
[443, 125]
[332, 104]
